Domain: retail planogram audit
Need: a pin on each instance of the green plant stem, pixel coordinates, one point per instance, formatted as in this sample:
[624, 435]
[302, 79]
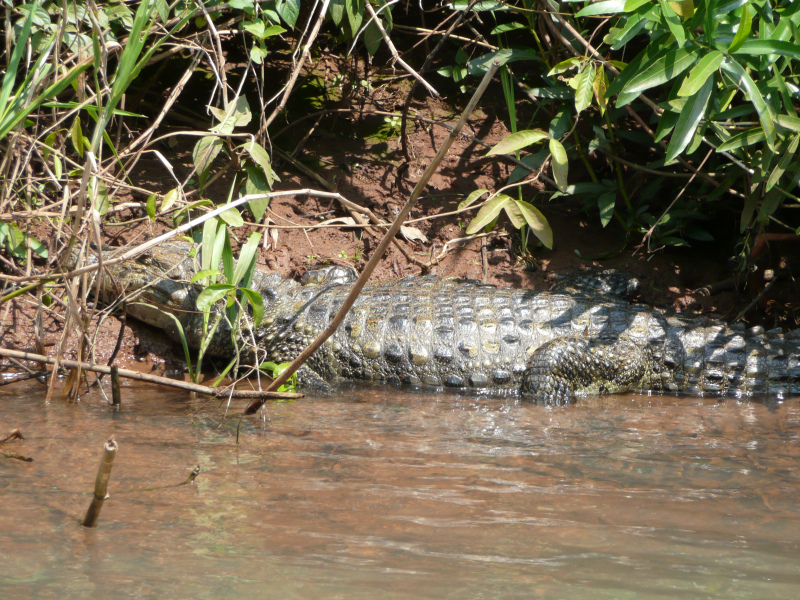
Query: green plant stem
[617, 167]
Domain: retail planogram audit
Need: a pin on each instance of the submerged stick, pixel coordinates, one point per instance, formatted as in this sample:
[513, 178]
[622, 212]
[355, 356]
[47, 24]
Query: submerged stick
[116, 393]
[101, 484]
[175, 383]
[381, 249]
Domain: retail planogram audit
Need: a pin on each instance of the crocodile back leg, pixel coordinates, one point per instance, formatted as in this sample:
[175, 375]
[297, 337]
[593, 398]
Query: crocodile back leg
[568, 366]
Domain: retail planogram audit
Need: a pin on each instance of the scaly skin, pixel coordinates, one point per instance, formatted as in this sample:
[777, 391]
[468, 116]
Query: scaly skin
[550, 346]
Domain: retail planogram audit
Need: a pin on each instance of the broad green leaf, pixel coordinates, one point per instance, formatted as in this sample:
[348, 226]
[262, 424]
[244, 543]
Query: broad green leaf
[606, 203]
[700, 73]
[355, 14]
[783, 163]
[169, 199]
[261, 157]
[289, 10]
[741, 78]
[536, 221]
[665, 68]
[565, 65]
[514, 214]
[600, 87]
[488, 213]
[560, 163]
[372, 38]
[683, 8]
[673, 23]
[469, 200]
[517, 141]
[232, 217]
[236, 115]
[757, 47]
[745, 138]
[606, 7]
[76, 135]
[150, 206]
[213, 294]
[665, 124]
[745, 28]
[36, 246]
[652, 52]
[336, 11]
[583, 89]
[687, 123]
[205, 151]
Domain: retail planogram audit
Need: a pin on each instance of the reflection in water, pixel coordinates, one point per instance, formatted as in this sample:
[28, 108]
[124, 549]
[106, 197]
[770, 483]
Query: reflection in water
[384, 493]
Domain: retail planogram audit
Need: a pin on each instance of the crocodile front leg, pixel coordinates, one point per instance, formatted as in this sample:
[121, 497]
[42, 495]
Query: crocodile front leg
[569, 366]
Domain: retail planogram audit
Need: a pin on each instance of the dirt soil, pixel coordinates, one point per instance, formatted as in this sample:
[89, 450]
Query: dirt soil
[369, 174]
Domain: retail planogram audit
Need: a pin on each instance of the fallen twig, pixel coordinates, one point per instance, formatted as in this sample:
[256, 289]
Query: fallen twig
[183, 385]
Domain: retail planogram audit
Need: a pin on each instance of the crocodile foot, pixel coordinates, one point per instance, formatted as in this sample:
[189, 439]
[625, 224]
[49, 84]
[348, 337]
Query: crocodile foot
[575, 366]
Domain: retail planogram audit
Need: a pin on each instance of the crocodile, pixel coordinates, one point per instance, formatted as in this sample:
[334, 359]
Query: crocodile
[582, 338]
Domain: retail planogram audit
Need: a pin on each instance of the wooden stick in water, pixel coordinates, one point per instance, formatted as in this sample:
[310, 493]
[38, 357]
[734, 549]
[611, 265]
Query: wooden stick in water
[101, 484]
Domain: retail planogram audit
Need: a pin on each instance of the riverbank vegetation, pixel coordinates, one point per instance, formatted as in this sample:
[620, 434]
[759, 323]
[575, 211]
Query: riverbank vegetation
[673, 124]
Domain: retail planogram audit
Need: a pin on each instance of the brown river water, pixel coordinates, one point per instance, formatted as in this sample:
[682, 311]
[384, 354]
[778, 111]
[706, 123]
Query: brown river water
[383, 492]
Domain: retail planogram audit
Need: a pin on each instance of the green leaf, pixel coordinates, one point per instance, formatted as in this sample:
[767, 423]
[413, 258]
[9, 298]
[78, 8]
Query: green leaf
[289, 10]
[261, 157]
[632, 5]
[204, 274]
[536, 221]
[687, 123]
[565, 65]
[236, 115]
[606, 7]
[663, 69]
[584, 89]
[205, 151]
[788, 122]
[169, 199]
[665, 124]
[372, 38]
[232, 217]
[756, 47]
[783, 163]
[517, 141]
[606, 203]
[336, 11]
[207, 245]
[742, 79]
[355, 14]
[560, 163]
[700, 73]
[258, 304]
[76, 135]
[745, 138]
[673, 23]
[469, 200]
[213, 294]
[247, 258]
[488, 213]
[745, 27]
[150, 206]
